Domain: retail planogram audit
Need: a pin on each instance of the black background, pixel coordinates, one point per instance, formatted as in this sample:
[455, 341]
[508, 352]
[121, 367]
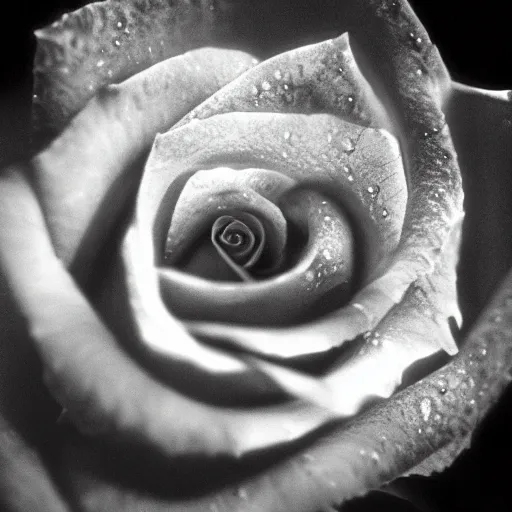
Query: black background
[476, 43]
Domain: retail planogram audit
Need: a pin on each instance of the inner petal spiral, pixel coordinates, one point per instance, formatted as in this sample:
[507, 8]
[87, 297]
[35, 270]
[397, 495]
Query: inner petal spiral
[239, 241]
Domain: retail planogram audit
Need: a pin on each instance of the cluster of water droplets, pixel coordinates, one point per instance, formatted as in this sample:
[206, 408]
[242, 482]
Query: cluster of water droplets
[278, 84]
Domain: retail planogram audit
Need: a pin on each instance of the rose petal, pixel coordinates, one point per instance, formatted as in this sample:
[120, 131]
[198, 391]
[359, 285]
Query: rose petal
[93, 165]
[24, 481]
[372, 155]
[325, 267]
[207, 192]
[88, 372]
[318, 78]
[384, 442]
[107, 42]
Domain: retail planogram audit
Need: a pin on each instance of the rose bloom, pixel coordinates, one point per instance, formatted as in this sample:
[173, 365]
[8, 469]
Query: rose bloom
[236, 250]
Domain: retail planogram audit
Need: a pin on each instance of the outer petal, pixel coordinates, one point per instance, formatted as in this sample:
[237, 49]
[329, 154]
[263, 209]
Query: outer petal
[89, 374]
[93, 166]
[107, 42]
[481, 124]
[381, 444]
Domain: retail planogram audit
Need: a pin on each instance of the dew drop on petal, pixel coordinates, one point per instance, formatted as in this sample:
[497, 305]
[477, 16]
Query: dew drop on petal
[373, 190]
[348, 146]
[242, 494]
[287, 135]
[277, 74]
[385, 213]
[266, 86]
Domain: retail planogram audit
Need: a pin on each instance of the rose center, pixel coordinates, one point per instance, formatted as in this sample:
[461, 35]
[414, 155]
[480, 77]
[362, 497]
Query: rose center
[239, 241]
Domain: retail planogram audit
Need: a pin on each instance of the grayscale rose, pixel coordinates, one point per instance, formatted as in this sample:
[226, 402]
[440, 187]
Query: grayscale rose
[236, 249]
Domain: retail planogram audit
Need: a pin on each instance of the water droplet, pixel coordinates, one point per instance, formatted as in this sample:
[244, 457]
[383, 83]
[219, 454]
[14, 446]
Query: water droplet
[362, 452]
[100, 63]
[385, 213]
[254, 90]
[420, 431]
[437, 417]
[416, 41]
[242, 494]
[375, 456]
[327, 254]
[119, 24]
[277, 74]
[419, 72]
[350, 99]
[327, 218]
[285, 154]
[348, 146]
[329, 137]
[350, 177]
[117, 43]
[287, 135]
[496, 318]
[309, 276]
[373, 191]
[266, 86]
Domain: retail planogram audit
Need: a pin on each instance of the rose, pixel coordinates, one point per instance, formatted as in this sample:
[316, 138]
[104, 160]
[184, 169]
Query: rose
[424, 407]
